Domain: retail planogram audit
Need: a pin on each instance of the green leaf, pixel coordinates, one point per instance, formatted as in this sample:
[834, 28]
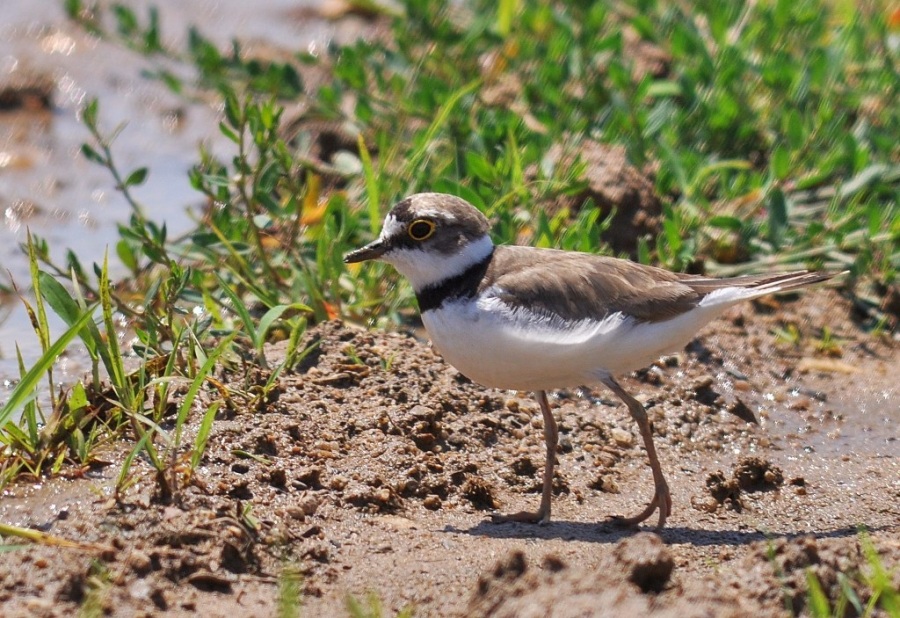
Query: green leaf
[89, 114]
[203, 434]
[780, 162]
[67, 308]
[127, 255]
[265, 322]
[92, 155]
[78, 399]
[137, 177]
[664, 88]
[726, 222]
[818, 600]
[372, 187]
[198, 381]
[43, 327]
[121, 480]
[113, 355]
[778, 217]
[25, 389]
[238, 306]
[229, 133]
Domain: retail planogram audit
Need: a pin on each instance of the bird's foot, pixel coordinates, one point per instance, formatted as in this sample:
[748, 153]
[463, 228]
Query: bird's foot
[662, 501]
[529, 517]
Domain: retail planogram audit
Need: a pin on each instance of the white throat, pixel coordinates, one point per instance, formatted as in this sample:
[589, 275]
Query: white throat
[426, 268]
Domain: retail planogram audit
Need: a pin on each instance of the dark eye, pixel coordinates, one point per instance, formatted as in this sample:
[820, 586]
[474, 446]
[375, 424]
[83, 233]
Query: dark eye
[420, 229]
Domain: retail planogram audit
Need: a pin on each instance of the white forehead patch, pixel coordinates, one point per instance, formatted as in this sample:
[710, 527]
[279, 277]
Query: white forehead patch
[434, 213]
[391, 227]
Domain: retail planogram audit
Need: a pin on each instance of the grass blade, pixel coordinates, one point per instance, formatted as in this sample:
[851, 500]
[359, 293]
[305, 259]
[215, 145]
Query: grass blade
[203, 434]
[189, 397]
[24, 390]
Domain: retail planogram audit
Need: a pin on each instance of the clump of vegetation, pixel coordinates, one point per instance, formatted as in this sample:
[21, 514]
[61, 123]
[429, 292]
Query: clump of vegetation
[875, 579]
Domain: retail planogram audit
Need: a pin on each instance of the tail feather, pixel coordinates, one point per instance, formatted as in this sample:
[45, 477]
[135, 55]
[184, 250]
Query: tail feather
[725, 292]
[763, 284]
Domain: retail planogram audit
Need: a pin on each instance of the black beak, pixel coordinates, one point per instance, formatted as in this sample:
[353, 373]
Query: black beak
[372, 251]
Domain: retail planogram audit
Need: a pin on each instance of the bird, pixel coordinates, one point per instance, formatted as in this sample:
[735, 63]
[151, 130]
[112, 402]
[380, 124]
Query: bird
[533, 319]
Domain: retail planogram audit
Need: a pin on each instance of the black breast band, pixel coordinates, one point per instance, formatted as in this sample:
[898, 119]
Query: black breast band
[463, 285]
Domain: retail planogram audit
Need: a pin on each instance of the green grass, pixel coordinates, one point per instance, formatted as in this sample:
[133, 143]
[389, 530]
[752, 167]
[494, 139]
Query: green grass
[772, 128]
[883, 597]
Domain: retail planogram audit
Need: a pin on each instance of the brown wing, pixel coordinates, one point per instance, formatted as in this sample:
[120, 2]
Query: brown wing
[575, 286]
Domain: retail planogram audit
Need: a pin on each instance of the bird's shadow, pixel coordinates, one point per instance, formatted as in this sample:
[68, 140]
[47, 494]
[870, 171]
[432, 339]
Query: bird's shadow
[611, 532]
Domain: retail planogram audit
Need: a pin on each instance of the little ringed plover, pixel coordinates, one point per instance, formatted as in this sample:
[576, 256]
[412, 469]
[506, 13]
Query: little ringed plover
[529, 319]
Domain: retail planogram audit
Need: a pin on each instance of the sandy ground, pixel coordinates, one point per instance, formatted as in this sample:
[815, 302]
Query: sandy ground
[375, 466]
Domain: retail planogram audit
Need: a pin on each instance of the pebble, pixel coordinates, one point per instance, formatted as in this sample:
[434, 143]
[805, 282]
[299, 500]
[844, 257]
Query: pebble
[606, 484]
[800, 404]
[702, 383]
[604, 459]
[139, 590]
[741, 385]
[140, 561]
[621, 437]
[295, 512]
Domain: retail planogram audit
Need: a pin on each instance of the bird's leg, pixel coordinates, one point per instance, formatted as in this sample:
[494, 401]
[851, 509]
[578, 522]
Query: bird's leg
[551, 435]
[662, 500]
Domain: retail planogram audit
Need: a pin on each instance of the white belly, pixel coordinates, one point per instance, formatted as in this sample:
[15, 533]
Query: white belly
[497, 346]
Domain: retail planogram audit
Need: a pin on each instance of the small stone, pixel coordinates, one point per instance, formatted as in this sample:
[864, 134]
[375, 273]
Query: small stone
[707, 504]
[278, 478]
[140, 562]
[702, 383]
[742, 411]
[800, 404]
[605, 483]
[647, 561]
[432, 502]
[309, 504]
[621, 437]
[139, 590]
[295, 512]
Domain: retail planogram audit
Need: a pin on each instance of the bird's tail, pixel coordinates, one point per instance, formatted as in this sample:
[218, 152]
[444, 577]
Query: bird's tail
[754, 286]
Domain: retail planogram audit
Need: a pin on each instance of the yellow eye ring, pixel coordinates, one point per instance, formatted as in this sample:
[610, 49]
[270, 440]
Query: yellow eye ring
[420, 229]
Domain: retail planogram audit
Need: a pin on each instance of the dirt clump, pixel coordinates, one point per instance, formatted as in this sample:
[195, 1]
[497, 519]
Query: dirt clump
[750, 474]
[613, 184]
[24, 90]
